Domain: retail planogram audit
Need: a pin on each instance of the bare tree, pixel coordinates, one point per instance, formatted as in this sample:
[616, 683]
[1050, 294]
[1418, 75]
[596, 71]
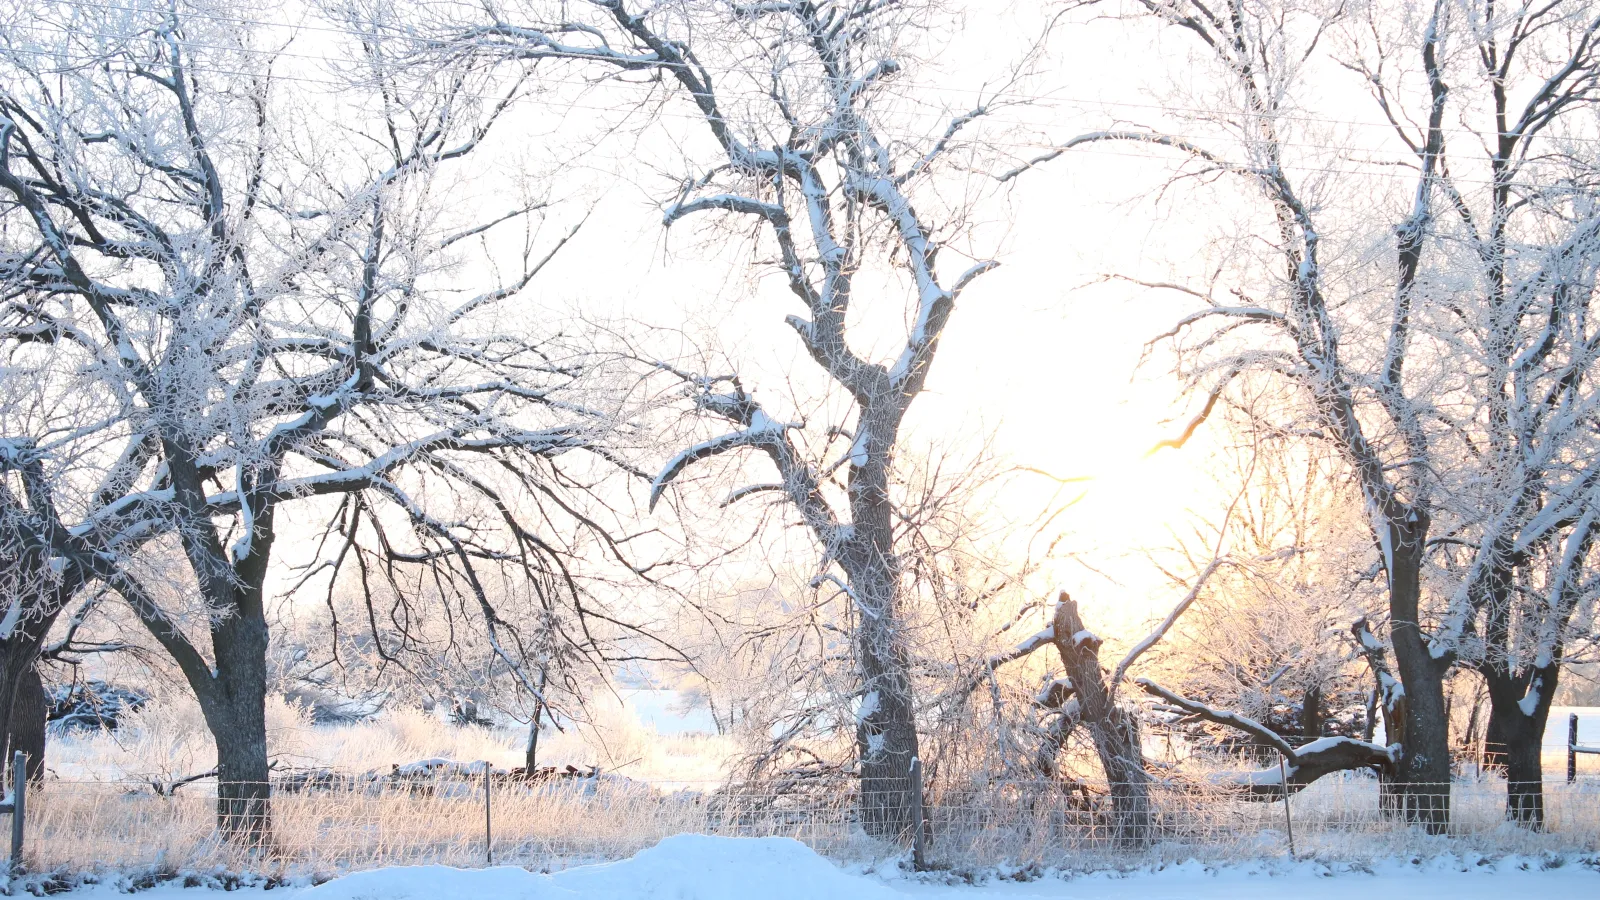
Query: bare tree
[256, 320]
[793, 96]
[1525, 82]
[1477, 458]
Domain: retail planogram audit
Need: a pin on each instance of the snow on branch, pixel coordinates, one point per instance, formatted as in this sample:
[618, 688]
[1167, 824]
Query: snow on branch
[762, 432]
[1262, 734]
[729, 202]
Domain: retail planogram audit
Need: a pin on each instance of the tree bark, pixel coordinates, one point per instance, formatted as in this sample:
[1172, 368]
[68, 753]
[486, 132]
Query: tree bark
[1311, 713]
[1515, 736]
[1115, 732]
[886, 735]
[235, 709]
[232, 689]
[1388, 700]
[27, 728]
[21, 691]
[1422, 782]
[530, 754]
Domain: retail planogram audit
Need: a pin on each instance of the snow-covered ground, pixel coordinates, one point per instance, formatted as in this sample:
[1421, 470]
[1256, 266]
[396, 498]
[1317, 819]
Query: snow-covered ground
[696, 867]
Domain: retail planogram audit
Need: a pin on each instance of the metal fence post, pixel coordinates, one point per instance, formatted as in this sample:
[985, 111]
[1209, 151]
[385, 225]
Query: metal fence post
[19, 807]
[1572, 748]
[1288, 820]
[919, 850]
[488, 817]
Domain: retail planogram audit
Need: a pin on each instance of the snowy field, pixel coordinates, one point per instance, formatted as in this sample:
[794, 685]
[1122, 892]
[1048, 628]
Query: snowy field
[695, 867]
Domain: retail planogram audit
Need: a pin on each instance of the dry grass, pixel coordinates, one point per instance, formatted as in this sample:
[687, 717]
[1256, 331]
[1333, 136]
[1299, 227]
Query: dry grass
[87, 827]
[98, 812]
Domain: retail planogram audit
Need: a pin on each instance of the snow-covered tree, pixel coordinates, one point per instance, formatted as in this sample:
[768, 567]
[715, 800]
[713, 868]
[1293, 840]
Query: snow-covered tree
[219, 310]
[1434, 317]
[795, 99]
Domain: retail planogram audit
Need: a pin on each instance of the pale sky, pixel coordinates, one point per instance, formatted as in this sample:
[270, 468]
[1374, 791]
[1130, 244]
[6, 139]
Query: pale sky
[1038, 354]
[1041, 354]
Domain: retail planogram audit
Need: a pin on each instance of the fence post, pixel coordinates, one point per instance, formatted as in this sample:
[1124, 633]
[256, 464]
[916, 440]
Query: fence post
[1572, 748]
[1288, 820]
[19, 807]
[488, 816]
[919, 850]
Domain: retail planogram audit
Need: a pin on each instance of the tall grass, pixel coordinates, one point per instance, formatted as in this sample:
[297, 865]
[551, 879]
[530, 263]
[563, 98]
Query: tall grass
[108, 805]
[361, 823]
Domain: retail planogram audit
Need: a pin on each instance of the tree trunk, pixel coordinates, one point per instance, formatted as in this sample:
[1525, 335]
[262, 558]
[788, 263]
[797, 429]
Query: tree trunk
[1516, 736]
[1423, 775]
[1311, 713]
[18, 678]
[1388, 699]
[232, 688]
[1114, 731]
[27, 727]
[530, 755]
[21, 691]
[886, 735]
[235, 708]
[1525, 778]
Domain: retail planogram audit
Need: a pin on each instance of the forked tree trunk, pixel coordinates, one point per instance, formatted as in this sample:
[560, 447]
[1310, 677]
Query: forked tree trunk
[232, 689]
[1115, 732]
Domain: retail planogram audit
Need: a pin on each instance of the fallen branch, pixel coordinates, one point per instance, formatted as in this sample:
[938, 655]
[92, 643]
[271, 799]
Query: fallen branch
[1323, 756]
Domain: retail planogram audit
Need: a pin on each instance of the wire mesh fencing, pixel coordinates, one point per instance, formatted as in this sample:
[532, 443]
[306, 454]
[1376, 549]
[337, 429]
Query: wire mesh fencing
[334, 823]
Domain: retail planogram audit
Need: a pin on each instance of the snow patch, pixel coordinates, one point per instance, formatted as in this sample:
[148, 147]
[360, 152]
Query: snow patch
[869, 705]
[683, 867]
[1529, 704]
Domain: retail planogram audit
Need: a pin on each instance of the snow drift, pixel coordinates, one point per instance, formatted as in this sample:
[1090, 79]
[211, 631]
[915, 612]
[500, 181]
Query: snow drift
[684, 867]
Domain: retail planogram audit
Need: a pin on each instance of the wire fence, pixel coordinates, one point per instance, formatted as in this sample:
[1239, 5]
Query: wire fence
[334, 823]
